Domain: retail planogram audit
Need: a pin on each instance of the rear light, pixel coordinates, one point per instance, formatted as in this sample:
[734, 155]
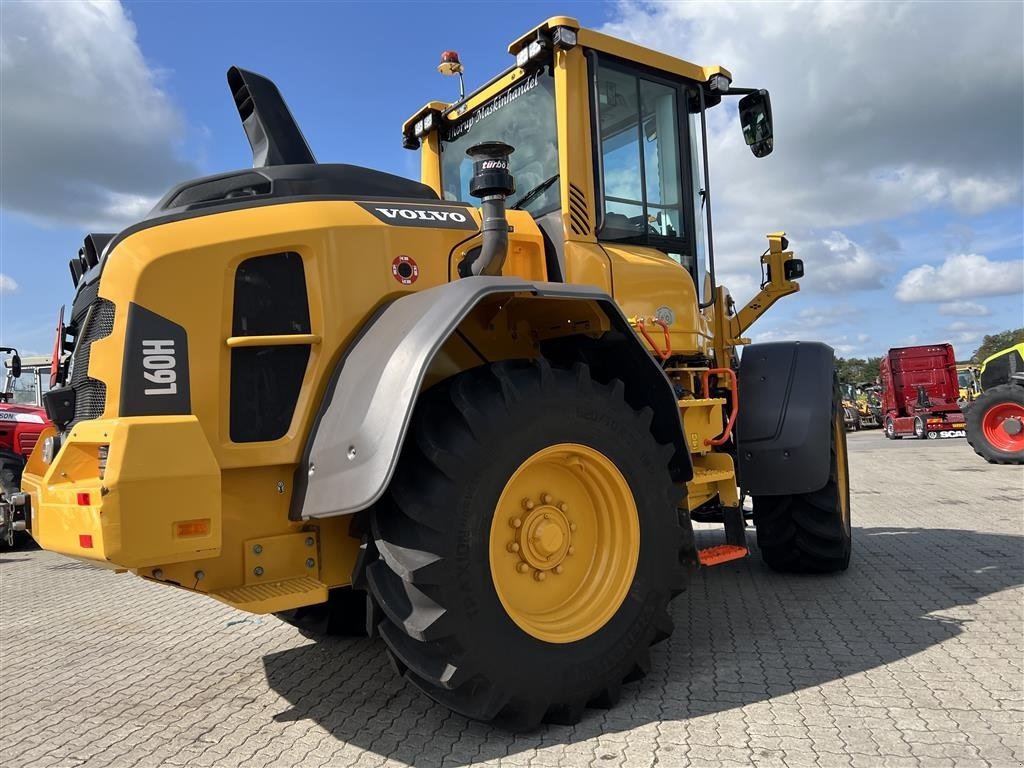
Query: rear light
[83, 501]
[192, 528]
[49, 449]
[85, 541]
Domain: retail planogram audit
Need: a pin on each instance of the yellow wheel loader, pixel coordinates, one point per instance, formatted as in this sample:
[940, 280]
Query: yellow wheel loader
[475, 412]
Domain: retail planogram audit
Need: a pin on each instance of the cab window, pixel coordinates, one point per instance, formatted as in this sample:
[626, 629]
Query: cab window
[643, 161]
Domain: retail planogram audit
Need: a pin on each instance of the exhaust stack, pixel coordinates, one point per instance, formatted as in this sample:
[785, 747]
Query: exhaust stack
[492, 183]
[273, 134]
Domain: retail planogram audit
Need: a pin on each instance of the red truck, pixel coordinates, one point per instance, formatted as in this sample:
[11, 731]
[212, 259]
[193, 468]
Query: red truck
[920, 393]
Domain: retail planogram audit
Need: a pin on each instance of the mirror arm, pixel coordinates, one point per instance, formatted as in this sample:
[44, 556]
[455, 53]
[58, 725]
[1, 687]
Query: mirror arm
[740, 91]
[710, 299]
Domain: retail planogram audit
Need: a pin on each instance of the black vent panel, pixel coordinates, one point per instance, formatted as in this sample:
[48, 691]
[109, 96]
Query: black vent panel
[578, 216]
[270, 300]
[90, 394]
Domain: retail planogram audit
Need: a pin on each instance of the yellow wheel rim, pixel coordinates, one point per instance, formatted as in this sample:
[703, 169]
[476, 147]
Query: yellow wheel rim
[564, 544]
[842, 472]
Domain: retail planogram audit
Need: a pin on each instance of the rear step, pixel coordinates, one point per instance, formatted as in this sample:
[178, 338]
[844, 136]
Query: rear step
[722, 553]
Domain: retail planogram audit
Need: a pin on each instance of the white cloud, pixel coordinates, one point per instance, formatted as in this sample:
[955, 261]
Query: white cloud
[836, 264]
[959, 332]
[875, 119]
[89, 136]
[964, 309]
[829, 315]
[7, 284]
[959, 277]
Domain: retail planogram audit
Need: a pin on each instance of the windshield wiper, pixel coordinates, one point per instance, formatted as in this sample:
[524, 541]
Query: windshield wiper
[534, 193]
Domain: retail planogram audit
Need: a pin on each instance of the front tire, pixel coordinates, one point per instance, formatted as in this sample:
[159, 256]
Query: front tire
[810, 532]
[467, 617]
[920, 432]
[988, 432]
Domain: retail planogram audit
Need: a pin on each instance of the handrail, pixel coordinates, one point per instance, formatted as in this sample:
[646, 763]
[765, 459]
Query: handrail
[282, 340]
[735, 402]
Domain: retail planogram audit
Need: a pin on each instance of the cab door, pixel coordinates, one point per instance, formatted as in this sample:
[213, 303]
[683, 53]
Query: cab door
[646, 193]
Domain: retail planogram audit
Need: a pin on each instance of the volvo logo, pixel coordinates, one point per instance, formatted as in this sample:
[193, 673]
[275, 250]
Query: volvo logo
[432, 216]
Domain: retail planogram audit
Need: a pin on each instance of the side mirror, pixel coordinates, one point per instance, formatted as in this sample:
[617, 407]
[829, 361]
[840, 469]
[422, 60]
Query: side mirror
[14, 364]
[756, 119]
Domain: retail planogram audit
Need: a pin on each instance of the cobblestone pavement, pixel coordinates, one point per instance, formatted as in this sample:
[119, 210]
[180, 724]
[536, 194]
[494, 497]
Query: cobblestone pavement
[912, 657]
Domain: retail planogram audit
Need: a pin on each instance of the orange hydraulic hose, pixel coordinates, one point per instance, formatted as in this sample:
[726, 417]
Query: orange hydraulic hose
[735, 402]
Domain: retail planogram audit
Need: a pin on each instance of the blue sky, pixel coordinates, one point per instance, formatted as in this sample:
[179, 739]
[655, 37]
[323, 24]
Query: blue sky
[897, 169]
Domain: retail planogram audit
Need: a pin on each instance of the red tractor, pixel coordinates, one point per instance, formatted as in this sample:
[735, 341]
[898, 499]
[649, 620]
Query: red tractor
[22, 419]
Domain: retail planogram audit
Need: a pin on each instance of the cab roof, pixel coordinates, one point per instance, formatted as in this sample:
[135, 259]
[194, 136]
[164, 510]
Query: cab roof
[588, 38]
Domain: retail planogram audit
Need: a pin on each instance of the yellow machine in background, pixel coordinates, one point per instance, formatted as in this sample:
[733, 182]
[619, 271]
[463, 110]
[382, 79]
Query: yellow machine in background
[967, 378]
[475, 412]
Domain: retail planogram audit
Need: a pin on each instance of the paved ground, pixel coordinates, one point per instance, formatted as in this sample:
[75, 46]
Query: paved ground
[912, 657]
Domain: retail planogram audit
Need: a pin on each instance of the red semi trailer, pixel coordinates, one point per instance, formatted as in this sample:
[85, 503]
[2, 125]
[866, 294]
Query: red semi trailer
[920, 392]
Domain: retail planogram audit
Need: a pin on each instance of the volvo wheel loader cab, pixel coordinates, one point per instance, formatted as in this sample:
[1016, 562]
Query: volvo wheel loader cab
[479, 408]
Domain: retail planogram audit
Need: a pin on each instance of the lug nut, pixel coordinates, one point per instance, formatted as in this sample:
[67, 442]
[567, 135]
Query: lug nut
[563, 506]
[258, 570]
[528, 504]
[572, 526]
[546, 498]
[559, 569]
[513, 547]
[310, 562]
[540, 575]
[522, 567]
[515, 522]
[571, 551]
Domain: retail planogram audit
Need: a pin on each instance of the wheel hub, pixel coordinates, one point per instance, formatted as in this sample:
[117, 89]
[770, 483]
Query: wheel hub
[564, 542]
[543, 537]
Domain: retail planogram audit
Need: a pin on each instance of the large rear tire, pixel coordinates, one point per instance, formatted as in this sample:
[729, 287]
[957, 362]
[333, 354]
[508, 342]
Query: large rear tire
[810, 532]
[988, 432]
[528, 545]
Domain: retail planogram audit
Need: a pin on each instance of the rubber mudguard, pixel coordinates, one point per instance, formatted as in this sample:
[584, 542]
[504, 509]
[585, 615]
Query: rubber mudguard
[784, 421]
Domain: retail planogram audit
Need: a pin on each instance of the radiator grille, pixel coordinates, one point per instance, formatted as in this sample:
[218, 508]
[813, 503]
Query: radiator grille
[90, 394]
[27, 441]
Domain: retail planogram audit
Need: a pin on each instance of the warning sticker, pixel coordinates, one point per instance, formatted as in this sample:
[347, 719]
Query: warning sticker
[405, 269]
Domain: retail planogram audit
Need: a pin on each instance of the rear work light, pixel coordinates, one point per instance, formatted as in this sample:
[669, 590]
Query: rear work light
[192, 528]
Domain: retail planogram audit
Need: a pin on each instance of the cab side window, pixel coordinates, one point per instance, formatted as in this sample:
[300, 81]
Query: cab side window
[642, 161]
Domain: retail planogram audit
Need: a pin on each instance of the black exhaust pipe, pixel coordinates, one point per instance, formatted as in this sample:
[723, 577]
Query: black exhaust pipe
[273, 134]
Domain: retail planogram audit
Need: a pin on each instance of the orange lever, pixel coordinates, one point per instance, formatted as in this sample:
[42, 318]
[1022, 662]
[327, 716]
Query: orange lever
[735, 401]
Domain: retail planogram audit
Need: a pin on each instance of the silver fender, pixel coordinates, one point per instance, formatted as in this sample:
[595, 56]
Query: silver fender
[359, 431]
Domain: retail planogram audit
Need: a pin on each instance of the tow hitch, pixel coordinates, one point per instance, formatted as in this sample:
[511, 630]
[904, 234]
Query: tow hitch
[13, 515]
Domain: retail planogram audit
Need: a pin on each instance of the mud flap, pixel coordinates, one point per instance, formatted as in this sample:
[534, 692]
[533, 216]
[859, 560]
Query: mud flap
[784, 425]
